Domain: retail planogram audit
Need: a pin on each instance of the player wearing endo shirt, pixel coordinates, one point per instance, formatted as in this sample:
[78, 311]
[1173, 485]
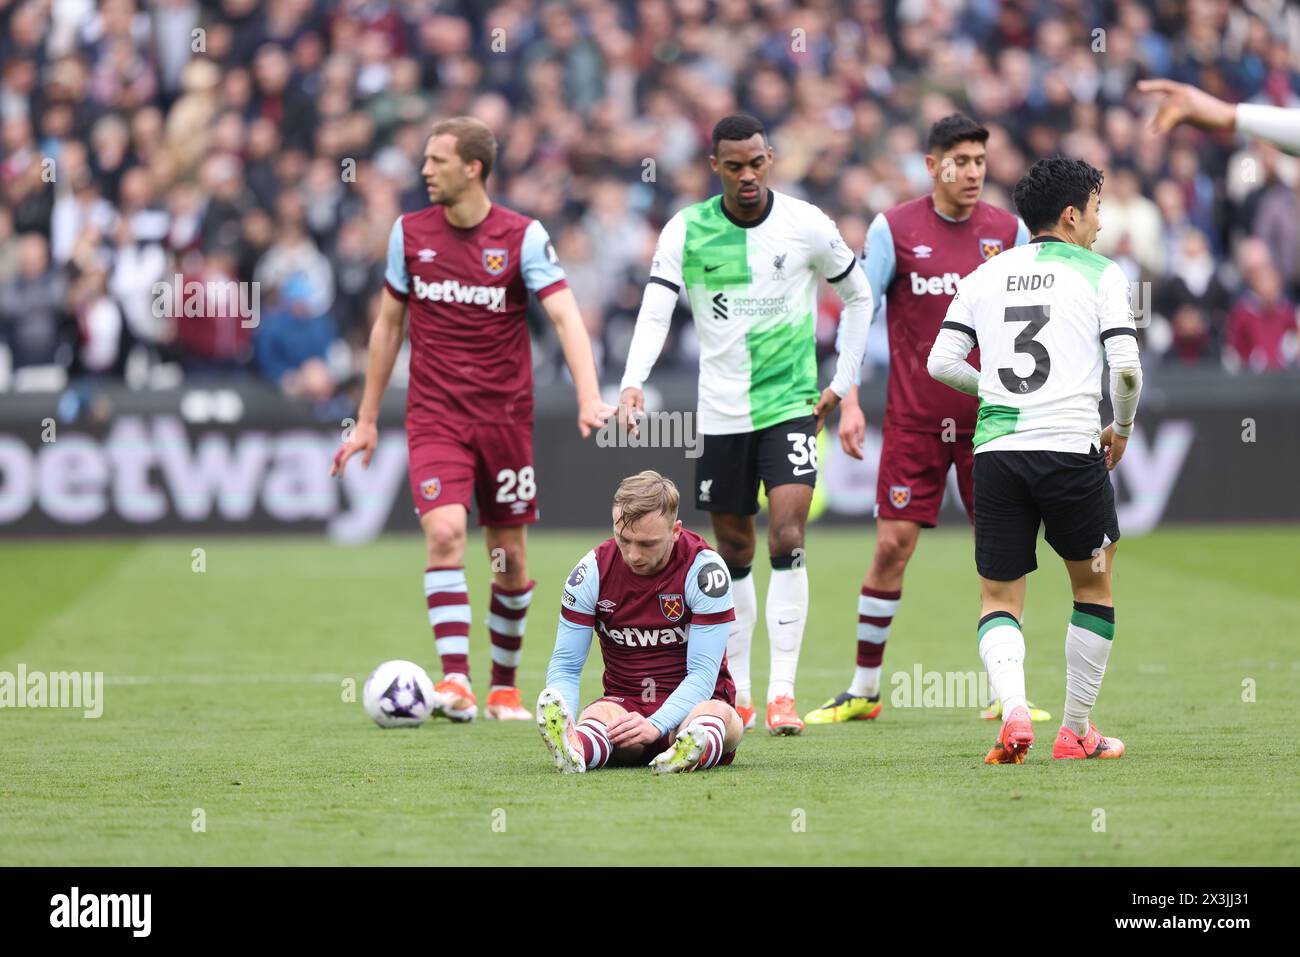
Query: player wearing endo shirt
[463, 269]
[916, 253]
[1044, 315]
[660, 599]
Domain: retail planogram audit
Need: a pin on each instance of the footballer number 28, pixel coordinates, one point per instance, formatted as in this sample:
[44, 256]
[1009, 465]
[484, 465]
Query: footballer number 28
[516, 485]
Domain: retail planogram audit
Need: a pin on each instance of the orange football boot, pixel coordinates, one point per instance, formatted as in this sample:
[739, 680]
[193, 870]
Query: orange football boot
[1092, 745]
[1015, 739]
[453, 698]
[505, 703]
[747, 715]
[782, 717]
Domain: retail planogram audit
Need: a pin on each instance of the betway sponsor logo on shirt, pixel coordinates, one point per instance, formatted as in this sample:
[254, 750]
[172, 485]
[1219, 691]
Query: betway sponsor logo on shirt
[945, 285]
[452, 290]
[643, 637]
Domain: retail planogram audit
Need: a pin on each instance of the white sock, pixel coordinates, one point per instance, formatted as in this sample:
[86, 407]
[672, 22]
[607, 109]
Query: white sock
[866, 682]
[740, 637]
[876, 611]
[1087, 646]
[1002, 649]
[787, 612]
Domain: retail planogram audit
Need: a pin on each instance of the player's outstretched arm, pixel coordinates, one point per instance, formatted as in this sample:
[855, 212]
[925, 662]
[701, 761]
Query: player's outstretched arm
[561, 308]
[386, 337]
[1182, 103]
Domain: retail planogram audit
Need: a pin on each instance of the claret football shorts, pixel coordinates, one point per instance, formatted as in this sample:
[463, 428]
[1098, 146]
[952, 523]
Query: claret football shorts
[493, 464]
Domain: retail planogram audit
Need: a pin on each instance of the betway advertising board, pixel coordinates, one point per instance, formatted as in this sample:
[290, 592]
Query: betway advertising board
[153, 467]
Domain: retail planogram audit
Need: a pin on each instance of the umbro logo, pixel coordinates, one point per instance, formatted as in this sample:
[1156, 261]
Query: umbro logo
[922, 252]
[426, 255]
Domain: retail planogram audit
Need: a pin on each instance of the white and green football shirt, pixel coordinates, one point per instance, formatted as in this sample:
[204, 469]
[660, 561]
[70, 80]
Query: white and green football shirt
[1040, 314]
[753, 292]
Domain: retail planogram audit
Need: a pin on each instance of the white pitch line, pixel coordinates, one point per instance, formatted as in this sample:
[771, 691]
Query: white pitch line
[253, 679]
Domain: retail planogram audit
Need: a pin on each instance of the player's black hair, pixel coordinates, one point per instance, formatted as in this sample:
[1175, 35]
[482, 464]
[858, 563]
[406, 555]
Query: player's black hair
[737, 126]
[1051, 185]
[953, 129]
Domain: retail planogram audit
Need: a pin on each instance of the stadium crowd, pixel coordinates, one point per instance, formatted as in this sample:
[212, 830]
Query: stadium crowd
[146, 141]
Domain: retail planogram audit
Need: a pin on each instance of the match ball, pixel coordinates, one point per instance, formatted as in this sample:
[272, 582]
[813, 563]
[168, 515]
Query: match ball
[398, 694]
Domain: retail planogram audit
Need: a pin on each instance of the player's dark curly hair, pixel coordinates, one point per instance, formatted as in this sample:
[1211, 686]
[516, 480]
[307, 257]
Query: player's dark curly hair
[953, 129]
[1051, 185]
[737, 126]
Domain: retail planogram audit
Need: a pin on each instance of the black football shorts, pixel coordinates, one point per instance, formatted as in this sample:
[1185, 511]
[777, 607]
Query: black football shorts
[1069, 492]
[730, 467]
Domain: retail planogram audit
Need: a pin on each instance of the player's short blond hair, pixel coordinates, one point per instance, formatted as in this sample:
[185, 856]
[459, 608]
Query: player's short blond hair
[474, 140]
[646, 493]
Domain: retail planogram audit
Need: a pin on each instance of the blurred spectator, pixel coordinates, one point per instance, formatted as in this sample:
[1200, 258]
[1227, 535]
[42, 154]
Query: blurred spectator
[293, 342]
[1261, 334]
[1130, 223]
[32, 306]
[218, 340]
[1192, 302]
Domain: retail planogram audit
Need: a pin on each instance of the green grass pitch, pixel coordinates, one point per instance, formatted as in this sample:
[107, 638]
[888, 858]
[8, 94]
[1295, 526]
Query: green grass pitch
[224, 706]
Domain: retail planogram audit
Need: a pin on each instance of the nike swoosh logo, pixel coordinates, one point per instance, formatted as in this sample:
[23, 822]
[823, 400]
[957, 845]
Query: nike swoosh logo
[803, 471]
[711, 268]
[782, 621]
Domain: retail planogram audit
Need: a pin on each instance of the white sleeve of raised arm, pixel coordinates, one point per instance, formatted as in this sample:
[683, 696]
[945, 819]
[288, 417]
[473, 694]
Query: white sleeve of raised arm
[855, 321]
[1125, 380]
[1277, 124]
[652, 324]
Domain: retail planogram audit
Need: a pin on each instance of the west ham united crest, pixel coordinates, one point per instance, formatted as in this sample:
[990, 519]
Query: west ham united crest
[496, 260]
[990, 247]
[900, 495]
[672, 606]
[431, 488]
